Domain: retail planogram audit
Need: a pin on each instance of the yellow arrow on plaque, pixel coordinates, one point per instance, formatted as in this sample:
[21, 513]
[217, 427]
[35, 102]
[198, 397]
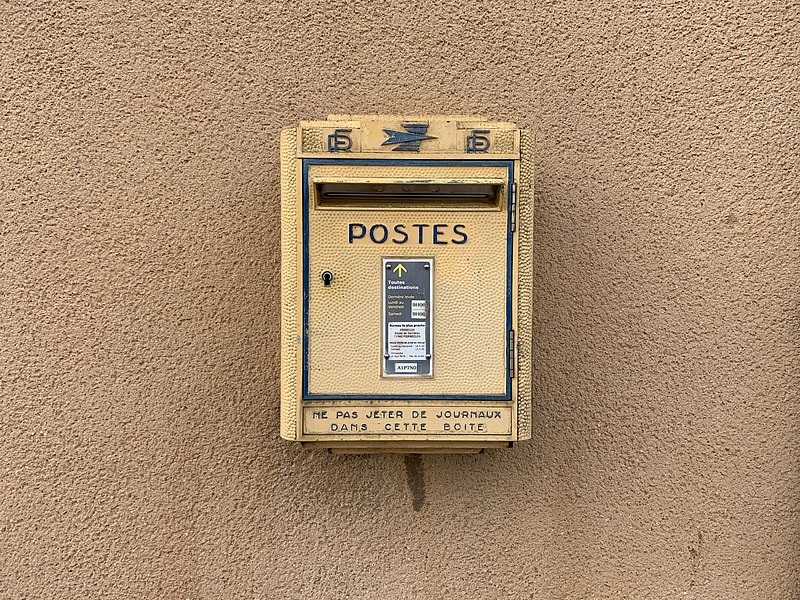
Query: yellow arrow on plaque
[399, 269]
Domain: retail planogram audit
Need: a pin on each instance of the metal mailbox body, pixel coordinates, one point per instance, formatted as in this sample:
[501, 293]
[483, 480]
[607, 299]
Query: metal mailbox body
[406, 276]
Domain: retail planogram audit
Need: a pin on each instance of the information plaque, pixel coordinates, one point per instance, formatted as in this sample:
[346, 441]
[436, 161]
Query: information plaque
[407, 317]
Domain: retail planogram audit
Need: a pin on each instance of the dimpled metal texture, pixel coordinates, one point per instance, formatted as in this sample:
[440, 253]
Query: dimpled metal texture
[469, 323]
[289, 329]
[312, 140]
[525, 287]
[503, 142]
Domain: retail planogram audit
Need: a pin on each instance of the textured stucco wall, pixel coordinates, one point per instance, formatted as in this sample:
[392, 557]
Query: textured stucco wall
[139, 269]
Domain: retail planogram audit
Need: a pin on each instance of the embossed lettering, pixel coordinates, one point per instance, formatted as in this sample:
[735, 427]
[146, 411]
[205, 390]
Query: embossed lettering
[401, 229]
[421, 228]
[383, 237]
[460, 232]
[352, 236]
[439, 234]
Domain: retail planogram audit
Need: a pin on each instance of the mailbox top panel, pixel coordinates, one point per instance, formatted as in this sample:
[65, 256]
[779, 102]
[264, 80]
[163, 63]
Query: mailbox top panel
[399, 137]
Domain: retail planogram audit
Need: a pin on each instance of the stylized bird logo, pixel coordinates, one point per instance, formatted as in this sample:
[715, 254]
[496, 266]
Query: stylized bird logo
[408, 140]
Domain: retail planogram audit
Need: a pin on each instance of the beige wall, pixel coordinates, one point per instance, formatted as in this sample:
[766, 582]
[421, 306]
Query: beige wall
[139, 240]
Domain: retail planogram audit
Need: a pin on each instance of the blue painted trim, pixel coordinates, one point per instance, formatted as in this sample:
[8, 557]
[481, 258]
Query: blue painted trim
[509, 271]
[305, 279]
[415, 162]
[509, 165]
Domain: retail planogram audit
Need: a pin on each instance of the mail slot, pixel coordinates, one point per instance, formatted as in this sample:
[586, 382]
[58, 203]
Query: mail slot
[387, 195]
[406, 283]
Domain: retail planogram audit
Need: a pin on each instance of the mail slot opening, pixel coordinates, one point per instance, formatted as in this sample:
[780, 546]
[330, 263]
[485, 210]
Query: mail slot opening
[426, 195]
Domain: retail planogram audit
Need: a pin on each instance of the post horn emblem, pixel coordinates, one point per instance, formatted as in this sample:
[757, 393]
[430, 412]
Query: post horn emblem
[410, 139]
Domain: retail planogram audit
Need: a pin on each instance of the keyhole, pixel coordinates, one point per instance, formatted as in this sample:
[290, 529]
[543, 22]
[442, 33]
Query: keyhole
[327, 277]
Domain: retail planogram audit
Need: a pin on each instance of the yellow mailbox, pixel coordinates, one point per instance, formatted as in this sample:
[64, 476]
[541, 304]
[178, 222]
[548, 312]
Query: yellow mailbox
[406, 283]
